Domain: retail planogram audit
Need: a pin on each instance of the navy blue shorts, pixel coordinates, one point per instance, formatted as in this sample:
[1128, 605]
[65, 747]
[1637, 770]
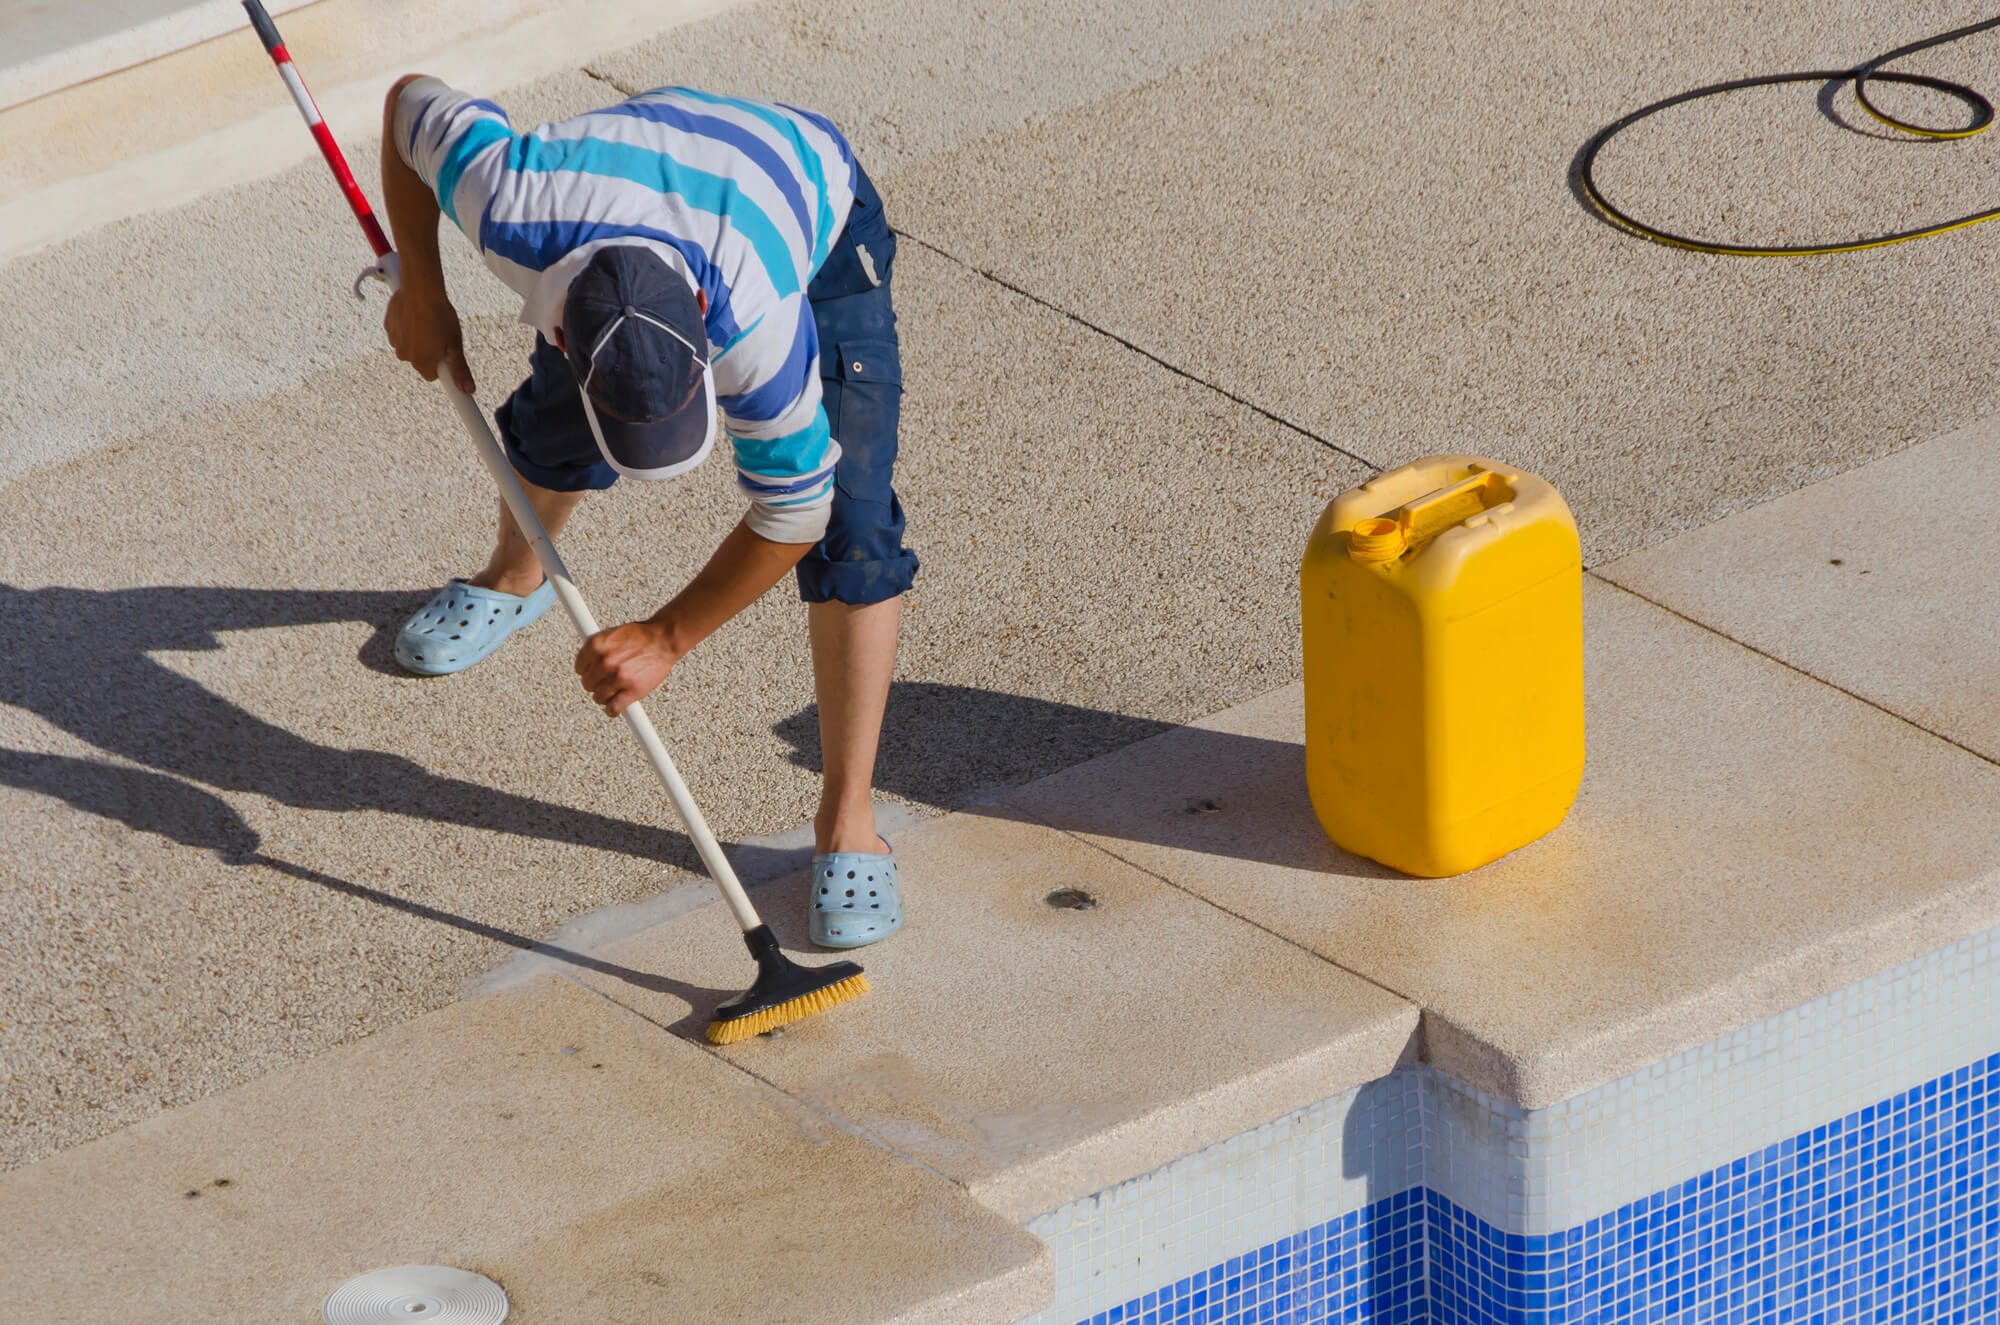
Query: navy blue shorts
[861, 559]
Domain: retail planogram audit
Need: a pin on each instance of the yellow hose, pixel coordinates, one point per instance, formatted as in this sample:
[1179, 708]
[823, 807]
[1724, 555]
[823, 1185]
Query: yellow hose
[1861, 75]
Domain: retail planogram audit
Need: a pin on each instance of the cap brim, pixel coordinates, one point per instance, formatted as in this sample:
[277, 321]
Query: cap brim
[661, 448]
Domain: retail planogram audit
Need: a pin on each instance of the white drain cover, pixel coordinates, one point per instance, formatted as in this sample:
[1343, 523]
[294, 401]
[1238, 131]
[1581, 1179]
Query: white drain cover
[411, 1293]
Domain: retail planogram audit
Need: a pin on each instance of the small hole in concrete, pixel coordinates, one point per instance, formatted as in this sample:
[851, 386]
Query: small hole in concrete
[1071, 899]
[221, 1182]
[1203, 806]
[1836, 561]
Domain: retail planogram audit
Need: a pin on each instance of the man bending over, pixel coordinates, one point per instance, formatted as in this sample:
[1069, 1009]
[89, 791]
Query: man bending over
[680, 254]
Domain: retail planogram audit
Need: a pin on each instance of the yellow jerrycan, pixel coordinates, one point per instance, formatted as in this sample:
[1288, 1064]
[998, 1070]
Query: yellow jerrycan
[1442, 605]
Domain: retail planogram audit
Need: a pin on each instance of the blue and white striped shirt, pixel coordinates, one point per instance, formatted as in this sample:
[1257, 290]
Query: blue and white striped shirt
[746, 197]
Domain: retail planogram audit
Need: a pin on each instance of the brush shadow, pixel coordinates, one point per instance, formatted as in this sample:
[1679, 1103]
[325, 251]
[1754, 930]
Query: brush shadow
[168, 807]
[80, 660]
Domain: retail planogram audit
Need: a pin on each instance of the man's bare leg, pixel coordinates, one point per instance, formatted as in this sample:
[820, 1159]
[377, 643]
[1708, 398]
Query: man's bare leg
[854, 658]
[513, 568]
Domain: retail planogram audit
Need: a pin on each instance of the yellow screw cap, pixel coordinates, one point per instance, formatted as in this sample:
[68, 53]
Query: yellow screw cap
[1376, 540]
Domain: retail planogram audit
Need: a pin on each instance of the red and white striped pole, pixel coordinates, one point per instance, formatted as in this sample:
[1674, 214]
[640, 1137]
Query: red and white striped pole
[267, 32]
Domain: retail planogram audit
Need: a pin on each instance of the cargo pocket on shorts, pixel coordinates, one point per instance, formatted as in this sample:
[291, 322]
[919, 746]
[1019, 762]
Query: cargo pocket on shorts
[869, 395]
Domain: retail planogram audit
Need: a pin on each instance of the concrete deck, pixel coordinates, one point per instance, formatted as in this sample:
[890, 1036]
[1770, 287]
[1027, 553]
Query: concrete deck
[1880, 582]
[543, 1137]
[1745, 840]
[1170, 280]
[1740, 846]
[1363, 222]
[48, 47]
[114, 110]
[1035, 1053]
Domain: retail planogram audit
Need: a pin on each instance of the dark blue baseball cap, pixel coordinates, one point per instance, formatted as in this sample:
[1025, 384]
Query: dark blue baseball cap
[634, 334]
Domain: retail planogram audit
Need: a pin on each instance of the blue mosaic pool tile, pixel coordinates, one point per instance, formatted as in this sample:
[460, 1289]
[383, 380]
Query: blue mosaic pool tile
[1367, 1266]
[1890, 1214]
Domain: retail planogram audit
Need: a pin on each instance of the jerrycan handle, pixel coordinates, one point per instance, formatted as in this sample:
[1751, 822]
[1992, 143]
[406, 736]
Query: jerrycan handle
[1385, 538]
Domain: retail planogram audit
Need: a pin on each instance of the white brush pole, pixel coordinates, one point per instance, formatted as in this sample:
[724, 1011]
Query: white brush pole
[544, 547]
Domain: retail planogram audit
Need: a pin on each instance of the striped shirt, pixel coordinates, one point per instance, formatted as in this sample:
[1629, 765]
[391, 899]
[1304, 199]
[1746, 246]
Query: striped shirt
[745, 197]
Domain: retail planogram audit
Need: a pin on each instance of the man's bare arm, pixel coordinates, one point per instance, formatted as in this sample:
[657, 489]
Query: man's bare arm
[627, 662]
[421, 323]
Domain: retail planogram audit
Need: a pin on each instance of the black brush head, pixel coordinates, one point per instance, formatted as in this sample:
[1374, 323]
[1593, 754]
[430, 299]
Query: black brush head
[783, 992]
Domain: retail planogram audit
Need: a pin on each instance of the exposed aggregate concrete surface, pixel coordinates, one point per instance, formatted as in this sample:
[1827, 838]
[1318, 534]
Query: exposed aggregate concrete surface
[1364, 223]
[237, 836]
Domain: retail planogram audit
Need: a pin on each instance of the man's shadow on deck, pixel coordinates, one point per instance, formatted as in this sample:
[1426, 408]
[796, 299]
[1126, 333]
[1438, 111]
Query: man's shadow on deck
[78, 659]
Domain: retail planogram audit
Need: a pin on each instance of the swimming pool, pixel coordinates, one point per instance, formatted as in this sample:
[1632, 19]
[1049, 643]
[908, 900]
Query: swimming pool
[1838, 1162]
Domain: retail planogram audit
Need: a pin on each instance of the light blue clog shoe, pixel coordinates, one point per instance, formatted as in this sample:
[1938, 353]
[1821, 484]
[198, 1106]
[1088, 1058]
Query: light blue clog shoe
[855, 899]
[463, 623]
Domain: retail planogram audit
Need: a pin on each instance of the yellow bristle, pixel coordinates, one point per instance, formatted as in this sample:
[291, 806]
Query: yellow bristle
[787, 1012]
